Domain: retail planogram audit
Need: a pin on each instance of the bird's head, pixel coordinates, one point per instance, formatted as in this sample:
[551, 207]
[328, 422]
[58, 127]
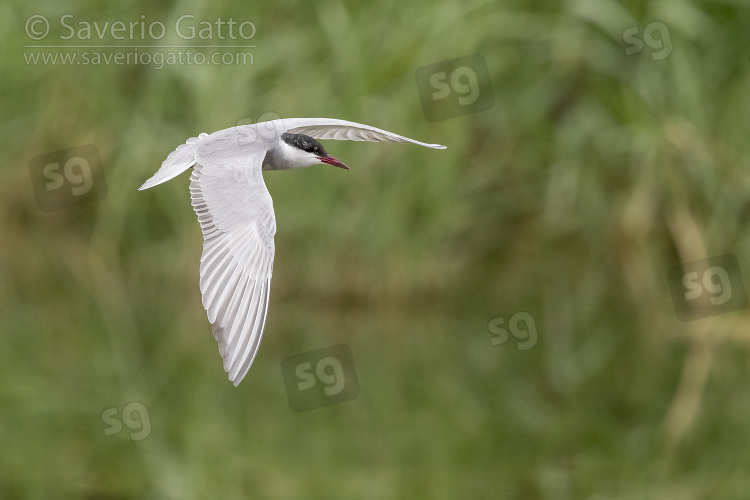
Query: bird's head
[307, 151]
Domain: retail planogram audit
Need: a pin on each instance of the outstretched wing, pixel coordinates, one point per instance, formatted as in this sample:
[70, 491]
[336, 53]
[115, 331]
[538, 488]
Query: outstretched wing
[236, 215]
[343, 130]
[268, 133]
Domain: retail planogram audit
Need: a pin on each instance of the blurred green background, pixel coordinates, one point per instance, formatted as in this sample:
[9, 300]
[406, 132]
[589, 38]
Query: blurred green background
[592, 175]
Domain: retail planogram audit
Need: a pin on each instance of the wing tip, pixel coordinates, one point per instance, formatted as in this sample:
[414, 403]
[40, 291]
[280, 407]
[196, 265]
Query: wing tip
[238, 376]
[149, 184]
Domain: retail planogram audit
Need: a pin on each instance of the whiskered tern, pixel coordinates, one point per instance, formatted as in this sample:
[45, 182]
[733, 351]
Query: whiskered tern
[235, 212]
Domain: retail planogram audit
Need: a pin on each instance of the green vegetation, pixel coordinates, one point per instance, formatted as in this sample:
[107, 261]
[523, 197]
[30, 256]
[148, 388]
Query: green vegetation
[593, 174]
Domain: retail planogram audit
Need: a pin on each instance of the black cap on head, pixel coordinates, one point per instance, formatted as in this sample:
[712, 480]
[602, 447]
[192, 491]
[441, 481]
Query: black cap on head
[305, 143]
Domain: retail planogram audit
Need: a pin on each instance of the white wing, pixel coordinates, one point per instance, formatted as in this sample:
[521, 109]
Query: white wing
[235, 212]
[342, 130]
[318, 128]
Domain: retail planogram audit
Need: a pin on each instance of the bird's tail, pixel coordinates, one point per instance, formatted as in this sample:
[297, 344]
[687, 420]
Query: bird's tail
[177, 162]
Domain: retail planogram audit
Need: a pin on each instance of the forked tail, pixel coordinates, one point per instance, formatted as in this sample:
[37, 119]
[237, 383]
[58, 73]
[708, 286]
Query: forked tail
[177, 162]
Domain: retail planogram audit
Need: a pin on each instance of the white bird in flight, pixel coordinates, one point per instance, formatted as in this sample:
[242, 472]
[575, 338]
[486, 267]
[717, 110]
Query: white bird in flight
[235, 212]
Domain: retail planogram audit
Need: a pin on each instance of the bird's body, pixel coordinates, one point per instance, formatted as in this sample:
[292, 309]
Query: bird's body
[236, 215]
